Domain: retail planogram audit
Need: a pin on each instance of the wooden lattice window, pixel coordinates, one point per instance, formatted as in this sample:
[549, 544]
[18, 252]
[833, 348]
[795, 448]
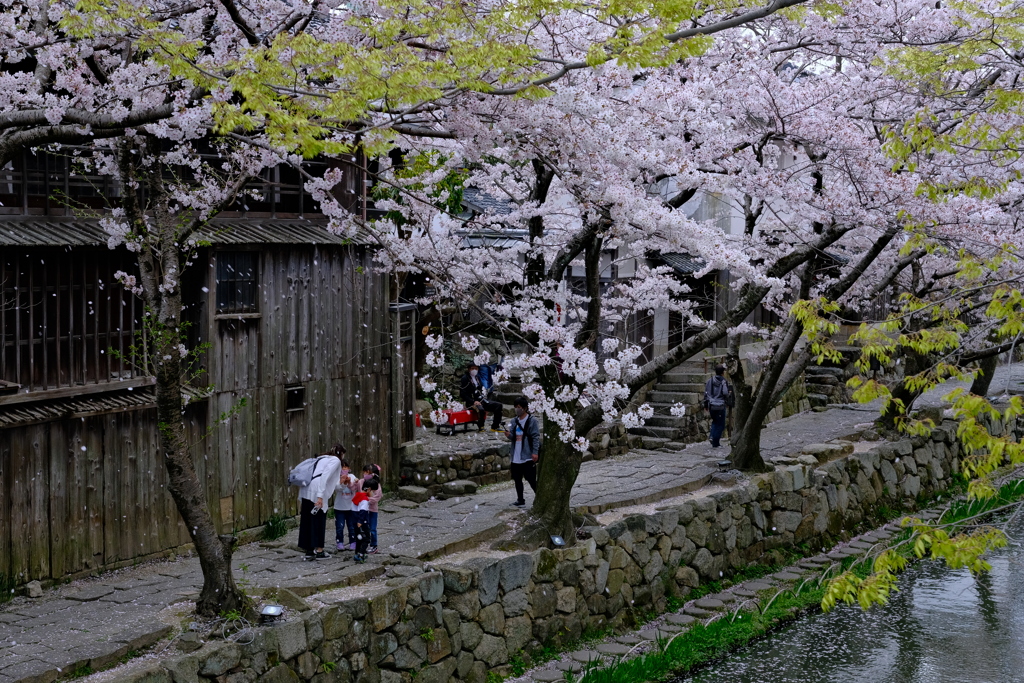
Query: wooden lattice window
[64, 320]
[237, 282]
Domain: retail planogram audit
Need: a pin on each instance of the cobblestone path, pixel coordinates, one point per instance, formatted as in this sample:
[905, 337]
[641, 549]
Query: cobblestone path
[96, 621]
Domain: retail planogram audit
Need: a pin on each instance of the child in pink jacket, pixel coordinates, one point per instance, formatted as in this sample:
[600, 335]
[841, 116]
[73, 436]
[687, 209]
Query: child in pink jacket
[371, 472]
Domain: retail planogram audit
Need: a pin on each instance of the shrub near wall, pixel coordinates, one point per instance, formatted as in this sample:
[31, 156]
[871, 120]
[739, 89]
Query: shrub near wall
[461, 622]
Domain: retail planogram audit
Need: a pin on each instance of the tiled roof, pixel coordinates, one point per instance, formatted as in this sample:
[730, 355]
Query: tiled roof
[56, 409]
[477, 200]
[683, 263]
[53, 231]
[76, 406]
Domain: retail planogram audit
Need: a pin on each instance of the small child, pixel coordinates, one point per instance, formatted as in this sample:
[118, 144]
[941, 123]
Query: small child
[361, 506]
[371, 472]
[343, 514]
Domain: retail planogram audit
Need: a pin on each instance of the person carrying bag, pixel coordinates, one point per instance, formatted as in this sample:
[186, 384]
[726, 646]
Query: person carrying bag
[524, 433]
[718, 398]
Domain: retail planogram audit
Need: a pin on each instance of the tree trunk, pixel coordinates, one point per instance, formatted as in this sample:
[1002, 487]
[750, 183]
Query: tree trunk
[161, 260]
[219, 593]
[914, 363]
[556, 475]
[986, 371]
[746, 436]
[745, 433]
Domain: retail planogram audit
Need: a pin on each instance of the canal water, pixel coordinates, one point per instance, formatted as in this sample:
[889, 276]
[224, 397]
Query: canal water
[943, 626]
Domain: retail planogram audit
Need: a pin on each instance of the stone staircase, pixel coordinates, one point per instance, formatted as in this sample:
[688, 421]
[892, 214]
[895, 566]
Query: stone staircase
[683, 384]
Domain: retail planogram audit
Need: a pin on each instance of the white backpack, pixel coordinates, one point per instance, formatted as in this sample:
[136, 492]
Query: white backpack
[305, 472]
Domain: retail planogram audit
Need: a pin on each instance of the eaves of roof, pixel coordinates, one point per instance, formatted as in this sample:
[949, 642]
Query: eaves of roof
[53, 231]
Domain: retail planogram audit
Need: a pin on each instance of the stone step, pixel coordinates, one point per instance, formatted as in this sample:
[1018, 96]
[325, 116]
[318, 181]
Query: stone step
[822, 370]
[666, 408]
[665, 433]
[654, 635]
[680, 619]
[757, 585]
[710, 604]
[675, 376]
[681, 387]
[670, 398]
[667, 421]
[655, 442]
[586, 656]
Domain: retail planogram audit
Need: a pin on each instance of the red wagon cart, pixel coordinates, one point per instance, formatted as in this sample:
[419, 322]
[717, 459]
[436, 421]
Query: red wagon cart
[454, 418]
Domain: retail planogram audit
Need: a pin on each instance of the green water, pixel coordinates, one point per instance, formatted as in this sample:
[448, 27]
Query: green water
[943, 626]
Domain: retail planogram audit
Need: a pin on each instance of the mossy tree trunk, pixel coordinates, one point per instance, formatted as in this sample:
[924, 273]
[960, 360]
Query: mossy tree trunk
[162, 232]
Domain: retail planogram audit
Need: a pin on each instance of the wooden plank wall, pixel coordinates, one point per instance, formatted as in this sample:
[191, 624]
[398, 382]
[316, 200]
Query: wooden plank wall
[324, 325]
[86, 492]
[82, 493]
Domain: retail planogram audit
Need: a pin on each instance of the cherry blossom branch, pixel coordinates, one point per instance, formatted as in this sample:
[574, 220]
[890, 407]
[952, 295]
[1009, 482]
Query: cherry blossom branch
[709, 29]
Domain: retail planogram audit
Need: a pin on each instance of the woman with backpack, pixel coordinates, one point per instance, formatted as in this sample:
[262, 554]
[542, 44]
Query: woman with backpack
[324, 475]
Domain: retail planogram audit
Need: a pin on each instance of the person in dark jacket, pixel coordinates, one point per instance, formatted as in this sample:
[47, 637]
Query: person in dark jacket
[474, 395]
[716, 400]
[524, 433]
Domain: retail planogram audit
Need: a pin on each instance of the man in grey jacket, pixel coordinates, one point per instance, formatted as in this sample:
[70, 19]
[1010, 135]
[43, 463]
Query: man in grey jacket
[717, 398]
[524, 433]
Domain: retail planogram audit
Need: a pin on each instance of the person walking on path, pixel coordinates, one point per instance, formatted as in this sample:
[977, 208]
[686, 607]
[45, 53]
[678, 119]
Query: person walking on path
[524, 433]
[312, 496]
[474, 395]
[717, 399]
[348, 484]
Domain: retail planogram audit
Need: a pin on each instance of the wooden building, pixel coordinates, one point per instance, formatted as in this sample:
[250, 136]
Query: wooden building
[299, 325]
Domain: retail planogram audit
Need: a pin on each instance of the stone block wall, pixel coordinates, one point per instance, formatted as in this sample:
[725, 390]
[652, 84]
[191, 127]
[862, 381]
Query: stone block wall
[484, 465]
[458, 622]
[610, 440]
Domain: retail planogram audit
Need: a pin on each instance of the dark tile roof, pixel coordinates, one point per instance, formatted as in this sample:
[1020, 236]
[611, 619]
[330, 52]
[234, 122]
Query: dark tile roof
[116, 400]
[683, 264]
[56, 409]
[479, 201]
[53, 231]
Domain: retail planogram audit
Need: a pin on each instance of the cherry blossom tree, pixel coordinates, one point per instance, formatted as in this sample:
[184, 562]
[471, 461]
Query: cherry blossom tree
[281, 78]
[170, 194]
[790, 118]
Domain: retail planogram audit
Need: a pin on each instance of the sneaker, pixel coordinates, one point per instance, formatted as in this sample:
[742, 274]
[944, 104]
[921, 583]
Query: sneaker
[340, 546]
[519, 503]
[373, 549]
[351, 546]
[497, 428]
[321, 555]
[309, 558]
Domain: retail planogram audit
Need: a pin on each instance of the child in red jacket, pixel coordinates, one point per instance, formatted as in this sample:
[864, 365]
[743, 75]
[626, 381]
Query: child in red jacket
[361, 510]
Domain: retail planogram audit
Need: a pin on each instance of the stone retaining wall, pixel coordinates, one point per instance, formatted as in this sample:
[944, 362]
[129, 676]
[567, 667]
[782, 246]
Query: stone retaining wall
[458, 623]
[610, 440]
[432, 464]
[486, 464]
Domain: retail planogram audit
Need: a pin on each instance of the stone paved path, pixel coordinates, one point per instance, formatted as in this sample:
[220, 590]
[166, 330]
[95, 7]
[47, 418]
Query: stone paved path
[96, 621]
